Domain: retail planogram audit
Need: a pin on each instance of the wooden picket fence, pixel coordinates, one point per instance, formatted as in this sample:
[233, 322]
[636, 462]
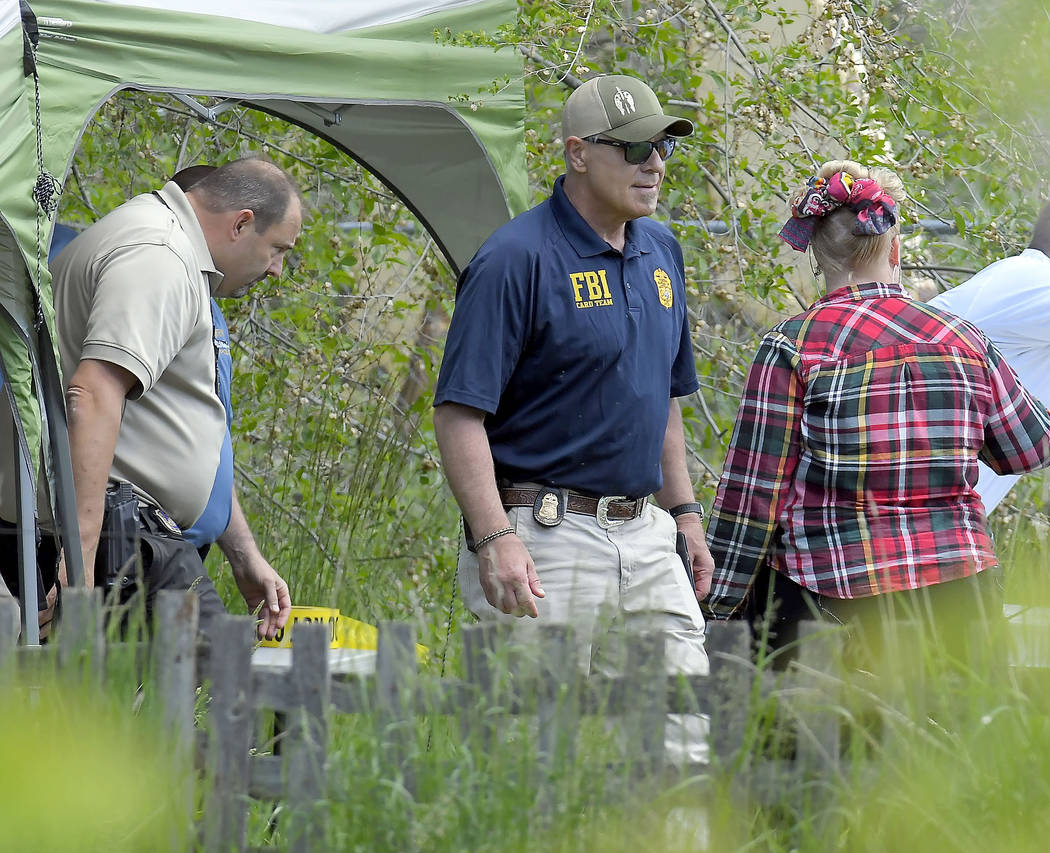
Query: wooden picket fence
[307, 694]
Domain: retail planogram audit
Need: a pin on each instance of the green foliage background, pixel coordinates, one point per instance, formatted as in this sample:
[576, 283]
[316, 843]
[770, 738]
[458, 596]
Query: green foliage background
[334, 366]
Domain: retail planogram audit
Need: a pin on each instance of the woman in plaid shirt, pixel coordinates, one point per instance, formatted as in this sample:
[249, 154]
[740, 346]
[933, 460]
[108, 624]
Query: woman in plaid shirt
[851, 468]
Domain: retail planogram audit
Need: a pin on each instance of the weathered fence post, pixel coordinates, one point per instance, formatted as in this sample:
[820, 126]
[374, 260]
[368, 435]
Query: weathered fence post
[906, 649]
[306, 745]
[645, 713]
[476, 718]
[817, 745]
[558, 710]
[79, 633]
[9, 627]
[732, 676]
[230, 716]
[175, 676]
[396, 687]
[9, 624]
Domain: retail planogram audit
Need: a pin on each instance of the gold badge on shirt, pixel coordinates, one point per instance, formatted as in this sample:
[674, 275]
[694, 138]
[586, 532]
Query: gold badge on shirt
[663, 288]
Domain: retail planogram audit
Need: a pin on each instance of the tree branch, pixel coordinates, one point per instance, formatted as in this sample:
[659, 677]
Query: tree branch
[570, 81]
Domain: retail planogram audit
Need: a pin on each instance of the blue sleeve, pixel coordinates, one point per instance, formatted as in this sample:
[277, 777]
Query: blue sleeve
[216, 516]
[489, 328]
[223, 361]
[683, 369]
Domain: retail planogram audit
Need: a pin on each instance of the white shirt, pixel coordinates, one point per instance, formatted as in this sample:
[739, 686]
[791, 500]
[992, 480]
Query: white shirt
[1010, 302]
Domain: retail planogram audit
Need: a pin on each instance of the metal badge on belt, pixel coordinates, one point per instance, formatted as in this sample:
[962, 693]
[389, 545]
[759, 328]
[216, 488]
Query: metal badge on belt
[549, 508]
[166, 521]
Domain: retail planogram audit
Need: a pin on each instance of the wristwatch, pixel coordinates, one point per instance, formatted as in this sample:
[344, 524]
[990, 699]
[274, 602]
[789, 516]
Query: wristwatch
[682, 509]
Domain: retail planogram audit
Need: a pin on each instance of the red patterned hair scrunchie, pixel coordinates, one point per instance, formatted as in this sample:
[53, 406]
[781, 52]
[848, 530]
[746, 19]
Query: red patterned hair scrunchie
[876, 210]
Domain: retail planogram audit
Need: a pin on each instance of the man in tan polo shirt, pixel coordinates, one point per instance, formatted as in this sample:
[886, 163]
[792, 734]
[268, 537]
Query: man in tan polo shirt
[132, 305]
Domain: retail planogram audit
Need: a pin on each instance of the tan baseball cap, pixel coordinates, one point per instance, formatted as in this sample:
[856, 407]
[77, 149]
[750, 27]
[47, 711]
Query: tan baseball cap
[619, 107]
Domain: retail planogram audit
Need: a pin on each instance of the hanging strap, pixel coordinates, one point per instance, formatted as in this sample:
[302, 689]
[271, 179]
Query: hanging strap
[46, 192]
[47, 188]
[30, 38]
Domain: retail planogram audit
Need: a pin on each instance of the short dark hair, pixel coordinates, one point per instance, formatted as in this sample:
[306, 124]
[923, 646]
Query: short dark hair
[248, 184]
[191, 176]
[1041, 231]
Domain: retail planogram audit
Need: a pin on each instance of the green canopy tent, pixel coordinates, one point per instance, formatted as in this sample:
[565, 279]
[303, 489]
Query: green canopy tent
[367, 76]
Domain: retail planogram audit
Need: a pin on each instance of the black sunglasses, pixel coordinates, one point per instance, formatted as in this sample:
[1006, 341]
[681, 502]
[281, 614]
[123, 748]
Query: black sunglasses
[637, 153]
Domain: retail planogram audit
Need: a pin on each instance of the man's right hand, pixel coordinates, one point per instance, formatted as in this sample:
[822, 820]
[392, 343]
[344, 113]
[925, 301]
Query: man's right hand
[505, 569]
[508, 576]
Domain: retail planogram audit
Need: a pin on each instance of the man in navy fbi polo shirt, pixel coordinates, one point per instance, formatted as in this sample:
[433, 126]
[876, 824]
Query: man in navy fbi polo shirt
[556, 416]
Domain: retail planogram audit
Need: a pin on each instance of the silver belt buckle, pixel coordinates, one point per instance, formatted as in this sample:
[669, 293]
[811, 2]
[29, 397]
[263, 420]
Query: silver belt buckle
[602, 513]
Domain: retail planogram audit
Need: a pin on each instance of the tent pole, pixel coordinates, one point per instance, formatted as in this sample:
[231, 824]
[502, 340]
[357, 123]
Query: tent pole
[26, 533]
[66, 521]
[48, 378]
[25, 518]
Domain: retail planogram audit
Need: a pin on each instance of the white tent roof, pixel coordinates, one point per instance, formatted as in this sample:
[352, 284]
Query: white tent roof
[9, 15]
[322, 16]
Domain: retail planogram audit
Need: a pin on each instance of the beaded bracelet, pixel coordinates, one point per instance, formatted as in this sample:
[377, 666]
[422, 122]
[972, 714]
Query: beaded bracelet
[484, 540]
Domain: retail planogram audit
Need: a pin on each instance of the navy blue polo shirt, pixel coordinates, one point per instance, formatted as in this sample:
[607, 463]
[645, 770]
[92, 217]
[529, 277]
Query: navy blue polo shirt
[572, 348]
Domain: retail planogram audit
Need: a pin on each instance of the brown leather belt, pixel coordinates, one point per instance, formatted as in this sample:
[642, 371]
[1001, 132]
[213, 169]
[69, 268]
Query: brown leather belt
[604, 509]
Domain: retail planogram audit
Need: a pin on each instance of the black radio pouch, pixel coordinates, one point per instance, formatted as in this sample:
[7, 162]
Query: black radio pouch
[118, 544]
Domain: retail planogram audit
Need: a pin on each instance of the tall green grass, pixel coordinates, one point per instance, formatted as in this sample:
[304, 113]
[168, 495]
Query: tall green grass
[942, 753]
[88, 768]
[338, 474]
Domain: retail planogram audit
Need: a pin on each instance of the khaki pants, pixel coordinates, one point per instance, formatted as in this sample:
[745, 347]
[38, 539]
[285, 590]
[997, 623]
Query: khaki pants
[608, 585]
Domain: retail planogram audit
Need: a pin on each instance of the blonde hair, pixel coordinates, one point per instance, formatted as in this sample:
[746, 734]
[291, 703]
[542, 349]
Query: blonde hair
[836, 249]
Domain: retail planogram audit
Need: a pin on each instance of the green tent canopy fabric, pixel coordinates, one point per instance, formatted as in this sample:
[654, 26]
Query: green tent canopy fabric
[368, 76]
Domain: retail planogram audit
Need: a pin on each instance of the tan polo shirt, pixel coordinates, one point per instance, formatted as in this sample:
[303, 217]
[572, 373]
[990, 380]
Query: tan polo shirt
[134, 290]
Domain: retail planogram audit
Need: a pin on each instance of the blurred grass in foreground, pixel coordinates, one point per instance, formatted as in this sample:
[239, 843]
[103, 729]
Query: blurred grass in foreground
[83, 772]
[942, 755]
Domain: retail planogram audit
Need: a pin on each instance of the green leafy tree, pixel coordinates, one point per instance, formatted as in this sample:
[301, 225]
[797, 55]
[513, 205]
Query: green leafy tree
[948, 94]
[334, 367]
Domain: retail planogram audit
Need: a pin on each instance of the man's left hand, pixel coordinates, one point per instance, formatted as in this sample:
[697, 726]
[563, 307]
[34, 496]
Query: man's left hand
[259, 583]
[46, 617]
[703, 565]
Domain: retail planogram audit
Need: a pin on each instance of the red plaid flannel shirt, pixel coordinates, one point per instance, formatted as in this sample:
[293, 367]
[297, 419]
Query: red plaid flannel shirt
[853, 460]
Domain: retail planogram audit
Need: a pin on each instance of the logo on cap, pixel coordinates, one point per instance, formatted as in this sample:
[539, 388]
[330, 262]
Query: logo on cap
[624, 101]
